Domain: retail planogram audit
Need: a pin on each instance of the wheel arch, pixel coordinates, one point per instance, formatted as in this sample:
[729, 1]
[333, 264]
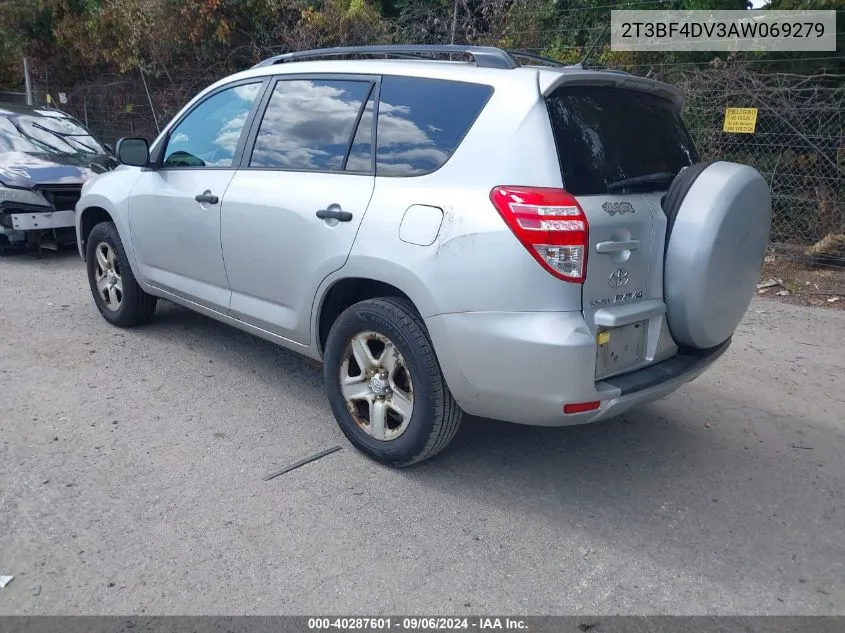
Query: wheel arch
[343, 292]
[96, 209]
[90, 217]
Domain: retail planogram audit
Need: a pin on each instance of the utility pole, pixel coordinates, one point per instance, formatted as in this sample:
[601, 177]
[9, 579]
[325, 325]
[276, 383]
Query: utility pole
[27, 80]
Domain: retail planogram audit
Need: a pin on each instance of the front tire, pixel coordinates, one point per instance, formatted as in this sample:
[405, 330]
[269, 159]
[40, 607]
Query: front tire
[385, 386]
[117, 294]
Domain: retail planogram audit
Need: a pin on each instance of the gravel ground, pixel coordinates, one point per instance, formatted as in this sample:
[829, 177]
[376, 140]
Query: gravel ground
[132, 466]
[804, 285]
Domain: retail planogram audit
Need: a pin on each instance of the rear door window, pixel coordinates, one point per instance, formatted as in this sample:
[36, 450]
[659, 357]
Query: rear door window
[421, 122]
[308, 124]
[606, 135]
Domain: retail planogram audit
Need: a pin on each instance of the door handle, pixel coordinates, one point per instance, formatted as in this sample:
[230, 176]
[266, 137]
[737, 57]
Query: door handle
[334, 212]
[206, 197]
[615, 247]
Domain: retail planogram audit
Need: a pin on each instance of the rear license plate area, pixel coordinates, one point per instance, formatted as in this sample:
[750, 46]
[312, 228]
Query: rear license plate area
[619, 349]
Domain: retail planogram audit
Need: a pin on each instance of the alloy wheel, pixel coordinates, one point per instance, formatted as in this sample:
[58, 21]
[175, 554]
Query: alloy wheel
[376, 384]
[107, 276]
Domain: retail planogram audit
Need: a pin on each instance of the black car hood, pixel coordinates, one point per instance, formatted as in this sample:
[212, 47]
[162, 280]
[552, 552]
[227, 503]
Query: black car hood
[19, 169]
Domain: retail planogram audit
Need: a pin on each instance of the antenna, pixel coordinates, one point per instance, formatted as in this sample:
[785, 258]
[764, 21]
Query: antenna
[592, 47]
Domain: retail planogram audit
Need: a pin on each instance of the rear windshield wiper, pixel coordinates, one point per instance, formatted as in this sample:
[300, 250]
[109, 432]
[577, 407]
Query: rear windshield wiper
[663, 177]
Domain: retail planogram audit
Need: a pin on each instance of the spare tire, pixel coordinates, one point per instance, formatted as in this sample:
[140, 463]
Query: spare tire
[719, 220]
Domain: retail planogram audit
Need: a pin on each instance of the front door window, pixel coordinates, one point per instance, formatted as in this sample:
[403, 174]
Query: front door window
[209, 135]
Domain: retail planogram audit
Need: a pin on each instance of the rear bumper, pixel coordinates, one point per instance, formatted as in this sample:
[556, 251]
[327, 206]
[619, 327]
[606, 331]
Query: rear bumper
[523, 367]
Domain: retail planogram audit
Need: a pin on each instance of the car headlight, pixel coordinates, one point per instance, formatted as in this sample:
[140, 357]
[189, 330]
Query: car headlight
[23, 196]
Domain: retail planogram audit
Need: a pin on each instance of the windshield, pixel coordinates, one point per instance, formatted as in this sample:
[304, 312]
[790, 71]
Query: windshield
[45, 132]
[610, 140]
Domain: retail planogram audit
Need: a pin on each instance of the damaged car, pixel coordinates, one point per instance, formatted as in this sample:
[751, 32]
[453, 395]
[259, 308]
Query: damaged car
[45, 157]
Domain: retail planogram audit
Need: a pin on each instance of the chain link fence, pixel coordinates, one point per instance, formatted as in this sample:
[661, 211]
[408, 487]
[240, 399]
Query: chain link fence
[798, 142]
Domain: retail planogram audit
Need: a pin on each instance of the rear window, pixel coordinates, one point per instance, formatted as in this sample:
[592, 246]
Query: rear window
[421, 122]
[606, 135]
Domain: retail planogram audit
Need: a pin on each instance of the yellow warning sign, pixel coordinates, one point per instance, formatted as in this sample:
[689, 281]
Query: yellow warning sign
[740, 120]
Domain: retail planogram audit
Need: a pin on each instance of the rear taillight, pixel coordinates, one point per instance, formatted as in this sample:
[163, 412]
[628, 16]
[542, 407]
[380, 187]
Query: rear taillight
[581, 407]
[550, 224]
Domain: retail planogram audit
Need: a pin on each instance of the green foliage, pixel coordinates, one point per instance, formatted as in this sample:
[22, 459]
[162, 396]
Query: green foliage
[81, 38]
[567, 29]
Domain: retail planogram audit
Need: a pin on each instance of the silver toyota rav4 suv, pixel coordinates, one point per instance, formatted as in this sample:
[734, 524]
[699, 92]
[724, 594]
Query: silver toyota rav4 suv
[533, 243]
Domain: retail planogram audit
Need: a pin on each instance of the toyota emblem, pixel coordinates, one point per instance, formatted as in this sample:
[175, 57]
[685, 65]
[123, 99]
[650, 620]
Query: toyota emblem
[618, 278]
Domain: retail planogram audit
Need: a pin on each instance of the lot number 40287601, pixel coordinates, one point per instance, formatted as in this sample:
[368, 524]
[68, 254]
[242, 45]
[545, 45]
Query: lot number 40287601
[349, 624]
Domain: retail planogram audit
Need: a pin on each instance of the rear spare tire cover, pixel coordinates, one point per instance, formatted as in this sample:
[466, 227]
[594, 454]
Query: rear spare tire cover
[715, 250]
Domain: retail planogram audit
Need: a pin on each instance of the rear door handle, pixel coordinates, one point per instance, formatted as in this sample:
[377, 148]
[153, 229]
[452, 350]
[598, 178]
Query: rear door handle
[206, 197]
[334, 212]
[615, 247]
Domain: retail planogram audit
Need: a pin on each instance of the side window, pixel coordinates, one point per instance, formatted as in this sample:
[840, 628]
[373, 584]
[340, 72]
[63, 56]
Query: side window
[421, 122]
[361, 154]
[308, 124]
[209, 135]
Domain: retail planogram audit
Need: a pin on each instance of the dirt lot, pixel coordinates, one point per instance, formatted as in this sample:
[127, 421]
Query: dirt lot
[132, 466]
[801, 284]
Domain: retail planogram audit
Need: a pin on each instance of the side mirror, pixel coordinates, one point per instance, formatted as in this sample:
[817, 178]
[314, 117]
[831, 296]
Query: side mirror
[133, 151]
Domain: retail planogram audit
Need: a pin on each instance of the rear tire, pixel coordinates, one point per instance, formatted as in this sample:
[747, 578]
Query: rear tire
[397, 408]
[117, 294]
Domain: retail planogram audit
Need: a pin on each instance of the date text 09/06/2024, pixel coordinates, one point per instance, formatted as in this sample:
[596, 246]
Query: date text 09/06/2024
[416, 624]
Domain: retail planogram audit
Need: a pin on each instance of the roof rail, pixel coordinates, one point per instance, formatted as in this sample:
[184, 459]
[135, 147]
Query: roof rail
[484, 56]
[544, 61]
